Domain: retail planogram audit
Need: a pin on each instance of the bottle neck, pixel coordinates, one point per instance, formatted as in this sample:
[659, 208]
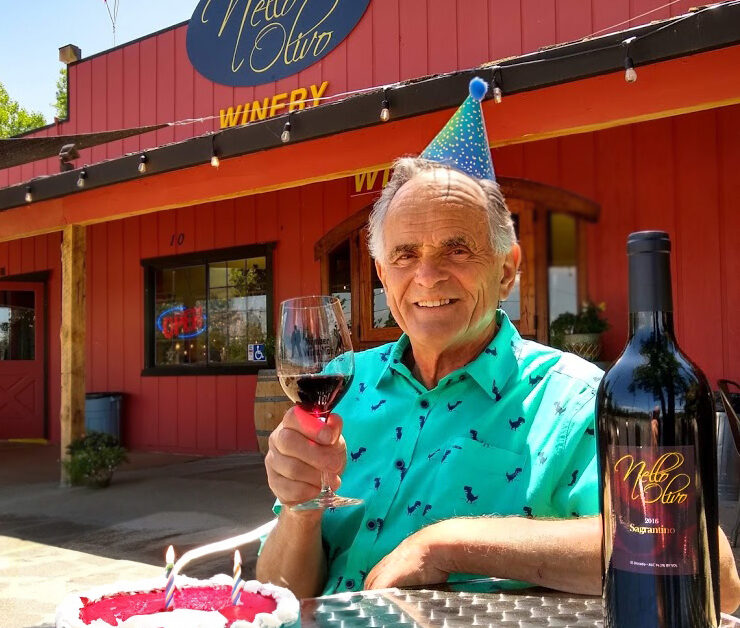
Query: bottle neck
[645, 325]
[650, 282]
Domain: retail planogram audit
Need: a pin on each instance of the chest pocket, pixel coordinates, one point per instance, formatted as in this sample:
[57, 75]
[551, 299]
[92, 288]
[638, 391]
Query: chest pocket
[479, 479]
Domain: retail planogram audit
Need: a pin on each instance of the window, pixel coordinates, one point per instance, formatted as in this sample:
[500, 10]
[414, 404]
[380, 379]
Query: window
[209, 313]
[17, 318]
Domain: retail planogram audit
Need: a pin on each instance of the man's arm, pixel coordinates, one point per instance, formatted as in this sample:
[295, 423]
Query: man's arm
[300, 447]
[292, 556]
[560, 554]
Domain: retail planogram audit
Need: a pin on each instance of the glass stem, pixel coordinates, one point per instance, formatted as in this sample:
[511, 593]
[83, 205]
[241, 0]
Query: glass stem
[325, 488]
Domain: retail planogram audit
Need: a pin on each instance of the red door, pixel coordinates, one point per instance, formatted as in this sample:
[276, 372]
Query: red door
[21, 360]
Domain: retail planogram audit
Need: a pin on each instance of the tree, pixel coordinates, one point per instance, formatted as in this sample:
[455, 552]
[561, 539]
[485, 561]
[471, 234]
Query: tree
[61, 104]
[14, 119]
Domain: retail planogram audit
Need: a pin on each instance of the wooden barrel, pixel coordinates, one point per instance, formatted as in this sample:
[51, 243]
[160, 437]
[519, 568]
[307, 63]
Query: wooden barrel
[270, 404]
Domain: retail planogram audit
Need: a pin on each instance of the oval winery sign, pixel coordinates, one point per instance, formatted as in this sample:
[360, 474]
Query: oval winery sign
[251, 42]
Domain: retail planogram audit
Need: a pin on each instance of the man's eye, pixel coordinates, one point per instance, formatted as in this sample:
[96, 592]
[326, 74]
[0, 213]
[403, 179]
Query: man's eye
[459, 251]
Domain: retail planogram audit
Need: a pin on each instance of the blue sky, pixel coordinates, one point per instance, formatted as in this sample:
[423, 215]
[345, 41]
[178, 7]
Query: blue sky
[32, 31]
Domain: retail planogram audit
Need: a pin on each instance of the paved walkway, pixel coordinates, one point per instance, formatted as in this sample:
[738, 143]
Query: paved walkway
[57, 540]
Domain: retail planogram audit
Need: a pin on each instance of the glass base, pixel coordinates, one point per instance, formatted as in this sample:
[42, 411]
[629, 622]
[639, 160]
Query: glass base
[327, 499]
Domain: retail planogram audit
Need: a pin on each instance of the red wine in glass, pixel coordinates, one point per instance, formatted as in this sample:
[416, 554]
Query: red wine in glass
[315, 365]
[316, 394]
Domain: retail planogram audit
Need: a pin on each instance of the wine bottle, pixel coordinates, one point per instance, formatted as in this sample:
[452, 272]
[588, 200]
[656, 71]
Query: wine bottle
[657, 464]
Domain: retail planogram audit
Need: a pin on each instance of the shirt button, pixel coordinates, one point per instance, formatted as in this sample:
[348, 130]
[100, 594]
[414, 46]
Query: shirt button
[424, 403]
[350, 584]
[370, 525]
[399, 464]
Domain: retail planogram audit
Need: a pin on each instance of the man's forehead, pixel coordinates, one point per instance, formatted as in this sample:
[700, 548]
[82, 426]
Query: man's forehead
[442, 184]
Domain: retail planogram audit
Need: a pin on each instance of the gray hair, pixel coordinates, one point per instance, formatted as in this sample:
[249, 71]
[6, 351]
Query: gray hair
[500, 225]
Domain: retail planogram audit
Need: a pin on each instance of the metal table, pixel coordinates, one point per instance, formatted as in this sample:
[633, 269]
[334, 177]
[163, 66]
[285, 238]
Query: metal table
[449, 609]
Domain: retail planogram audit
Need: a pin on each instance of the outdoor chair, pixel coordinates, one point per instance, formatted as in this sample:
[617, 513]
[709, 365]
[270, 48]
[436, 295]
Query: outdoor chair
[732, 409]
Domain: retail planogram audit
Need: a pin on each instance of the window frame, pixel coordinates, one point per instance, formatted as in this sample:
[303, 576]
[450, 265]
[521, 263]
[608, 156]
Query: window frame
[151, 265]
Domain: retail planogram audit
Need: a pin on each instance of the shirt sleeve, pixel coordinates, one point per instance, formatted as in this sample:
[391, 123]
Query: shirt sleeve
[576, 492]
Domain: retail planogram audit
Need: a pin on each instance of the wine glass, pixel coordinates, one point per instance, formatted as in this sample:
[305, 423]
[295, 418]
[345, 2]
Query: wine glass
[315, 365]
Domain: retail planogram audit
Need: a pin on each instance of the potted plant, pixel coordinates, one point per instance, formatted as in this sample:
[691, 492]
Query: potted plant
[580, 333]
[93, 458]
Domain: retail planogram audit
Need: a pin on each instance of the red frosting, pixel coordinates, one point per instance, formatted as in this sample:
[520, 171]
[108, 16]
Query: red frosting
[120, 607]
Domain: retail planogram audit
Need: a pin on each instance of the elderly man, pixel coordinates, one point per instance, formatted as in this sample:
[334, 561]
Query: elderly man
[472, 448]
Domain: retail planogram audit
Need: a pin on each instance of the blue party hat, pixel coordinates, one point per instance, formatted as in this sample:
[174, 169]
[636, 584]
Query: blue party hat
[463, 142]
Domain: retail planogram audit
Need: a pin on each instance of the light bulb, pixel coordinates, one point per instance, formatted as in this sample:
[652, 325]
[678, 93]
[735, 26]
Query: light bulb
[29, 196]
[285, 136]
[81, 179]
[385, 112]
[143, 164]
[215, 161]
[498, 95]
[630, 74]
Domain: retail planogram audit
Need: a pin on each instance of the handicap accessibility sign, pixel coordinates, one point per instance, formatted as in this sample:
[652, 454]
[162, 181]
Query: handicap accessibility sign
[256, 353]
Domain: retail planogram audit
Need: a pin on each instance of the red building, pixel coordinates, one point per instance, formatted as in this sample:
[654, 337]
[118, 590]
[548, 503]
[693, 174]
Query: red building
[186, 262]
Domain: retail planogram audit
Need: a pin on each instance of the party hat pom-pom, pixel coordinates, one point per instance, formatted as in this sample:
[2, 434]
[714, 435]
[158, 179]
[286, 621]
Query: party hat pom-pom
[478, 88]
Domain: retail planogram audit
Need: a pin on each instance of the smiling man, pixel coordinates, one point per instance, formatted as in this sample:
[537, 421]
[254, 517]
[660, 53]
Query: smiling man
[472, 448]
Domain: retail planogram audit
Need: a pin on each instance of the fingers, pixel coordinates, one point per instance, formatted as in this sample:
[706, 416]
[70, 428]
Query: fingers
[313, 428]
[296, 457]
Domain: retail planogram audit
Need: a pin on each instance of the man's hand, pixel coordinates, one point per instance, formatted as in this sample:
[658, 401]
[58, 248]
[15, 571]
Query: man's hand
[301, 447]
[415, 561]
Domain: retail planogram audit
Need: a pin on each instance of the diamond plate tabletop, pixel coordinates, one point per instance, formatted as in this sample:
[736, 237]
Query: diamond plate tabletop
[450, 609]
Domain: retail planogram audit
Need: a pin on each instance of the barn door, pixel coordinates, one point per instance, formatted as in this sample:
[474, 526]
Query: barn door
[22, 351]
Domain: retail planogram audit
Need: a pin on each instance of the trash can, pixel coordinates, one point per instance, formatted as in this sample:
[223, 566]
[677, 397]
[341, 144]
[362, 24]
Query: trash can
[728, 460]
[103, 413]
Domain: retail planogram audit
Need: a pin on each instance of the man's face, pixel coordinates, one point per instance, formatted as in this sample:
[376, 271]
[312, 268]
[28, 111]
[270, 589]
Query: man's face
[442, 279]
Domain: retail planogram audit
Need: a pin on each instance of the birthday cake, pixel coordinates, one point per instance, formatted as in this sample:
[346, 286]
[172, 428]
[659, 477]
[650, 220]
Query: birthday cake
[197, 604]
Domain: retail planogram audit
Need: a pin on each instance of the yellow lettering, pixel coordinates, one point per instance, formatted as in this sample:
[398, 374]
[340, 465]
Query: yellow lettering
[365, 180]
[230, 117]
[260, 110]
[203, 15]
[317, 94]
[386, 176]
[298, 99]
[257, 47]
[245, 117]
[277, 104]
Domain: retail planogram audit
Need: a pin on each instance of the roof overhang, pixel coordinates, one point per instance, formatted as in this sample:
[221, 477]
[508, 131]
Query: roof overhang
[685, 64]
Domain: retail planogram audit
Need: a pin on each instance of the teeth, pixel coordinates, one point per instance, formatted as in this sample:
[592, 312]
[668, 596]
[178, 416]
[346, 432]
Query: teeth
[433, 303]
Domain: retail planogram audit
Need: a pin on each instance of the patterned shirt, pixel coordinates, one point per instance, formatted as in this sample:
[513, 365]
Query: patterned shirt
[510, 433]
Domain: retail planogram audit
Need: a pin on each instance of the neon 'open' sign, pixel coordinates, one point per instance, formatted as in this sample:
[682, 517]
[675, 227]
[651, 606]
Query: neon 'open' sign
[182, 322]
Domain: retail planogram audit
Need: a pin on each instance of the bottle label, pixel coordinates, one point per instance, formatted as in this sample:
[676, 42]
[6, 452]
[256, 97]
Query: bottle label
[653, 515]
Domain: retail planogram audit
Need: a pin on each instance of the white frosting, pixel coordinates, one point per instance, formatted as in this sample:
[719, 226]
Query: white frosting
[68, 612]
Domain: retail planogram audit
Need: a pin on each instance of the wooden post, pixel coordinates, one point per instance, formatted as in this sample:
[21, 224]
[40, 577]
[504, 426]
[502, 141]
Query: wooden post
[72, 334]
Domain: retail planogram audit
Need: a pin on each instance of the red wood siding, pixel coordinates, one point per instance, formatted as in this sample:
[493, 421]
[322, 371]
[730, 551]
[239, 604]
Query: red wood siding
[152, 80]
[694, 158]
[674, 174]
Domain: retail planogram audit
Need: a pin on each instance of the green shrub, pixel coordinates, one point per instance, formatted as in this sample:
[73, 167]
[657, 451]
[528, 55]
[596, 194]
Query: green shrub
[93, 458]
[587, 321]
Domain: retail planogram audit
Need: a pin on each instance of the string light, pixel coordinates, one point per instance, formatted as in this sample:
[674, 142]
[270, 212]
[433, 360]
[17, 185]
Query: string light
[143, 160]
[215, 161]
[630, 74]
[285, 136]
[29, 194]
[385, 112]
[498, 95]
[81, 178]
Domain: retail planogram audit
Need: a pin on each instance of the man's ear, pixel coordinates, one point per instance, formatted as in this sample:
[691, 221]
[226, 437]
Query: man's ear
[511, 268]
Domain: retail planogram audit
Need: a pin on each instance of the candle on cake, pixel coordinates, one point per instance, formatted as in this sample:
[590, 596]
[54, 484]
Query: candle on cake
[236, 590]
[169, 591]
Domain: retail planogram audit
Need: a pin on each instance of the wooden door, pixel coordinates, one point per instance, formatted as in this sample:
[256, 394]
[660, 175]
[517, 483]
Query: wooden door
[22, 350]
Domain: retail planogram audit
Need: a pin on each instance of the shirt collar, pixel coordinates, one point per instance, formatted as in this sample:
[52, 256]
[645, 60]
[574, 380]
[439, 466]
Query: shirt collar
[491, 370]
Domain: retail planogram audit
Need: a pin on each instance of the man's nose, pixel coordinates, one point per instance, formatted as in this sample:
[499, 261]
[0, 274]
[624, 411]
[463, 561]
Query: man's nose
[429, 273]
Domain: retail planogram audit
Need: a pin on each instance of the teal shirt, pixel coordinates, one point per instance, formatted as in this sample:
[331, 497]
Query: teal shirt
[510, 433]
